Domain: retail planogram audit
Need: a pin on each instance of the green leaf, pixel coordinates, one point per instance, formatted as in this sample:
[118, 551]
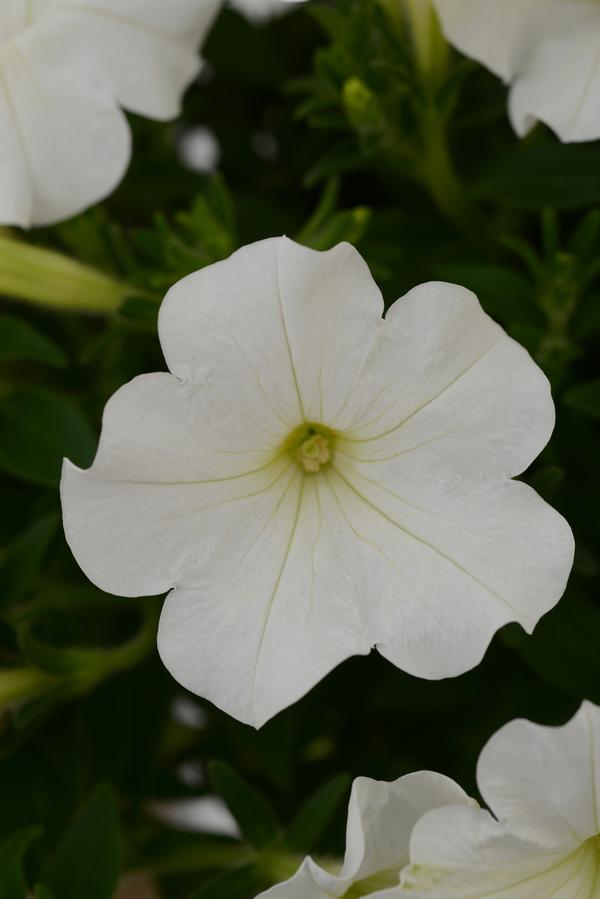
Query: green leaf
[87, 862]
[20, 341]
[546, 173]
[237, 884]
[42, 892]
[563, 649]
[585, 398]
[12, 851]
[254, 814]
[316, 814]
[20, 561]
[37, 429]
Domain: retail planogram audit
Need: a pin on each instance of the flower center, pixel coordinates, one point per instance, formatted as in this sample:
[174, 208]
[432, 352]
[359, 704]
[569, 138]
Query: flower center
[373, 884]
[311, 446]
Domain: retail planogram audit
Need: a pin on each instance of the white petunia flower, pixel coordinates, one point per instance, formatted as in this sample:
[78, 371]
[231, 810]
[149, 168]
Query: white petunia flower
[546, 49]
[314, 480]
[381, 817]
[543, 786]
[67, 69]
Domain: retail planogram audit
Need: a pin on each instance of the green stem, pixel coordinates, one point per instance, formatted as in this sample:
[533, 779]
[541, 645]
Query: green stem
[19, 684]
[50, 279]
[436, 169]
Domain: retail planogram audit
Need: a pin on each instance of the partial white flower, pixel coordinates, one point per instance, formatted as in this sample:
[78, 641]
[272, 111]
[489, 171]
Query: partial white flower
[259, 10]
[381, 817]
[547, 50]
[67, 69]
[543, 786]
[314, 480]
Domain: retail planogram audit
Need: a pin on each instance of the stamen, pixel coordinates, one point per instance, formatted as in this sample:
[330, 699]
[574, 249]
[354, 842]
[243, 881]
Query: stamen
[314, 452]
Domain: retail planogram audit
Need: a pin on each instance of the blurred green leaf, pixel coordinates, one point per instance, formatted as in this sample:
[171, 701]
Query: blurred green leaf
[585, 398]
[87, 861]
[21, 560]
[12, 851]
[21, 341]
[238, 884]
[37, 429]
[546, 173]
[254, 814]
[564, 646]
[316, 814]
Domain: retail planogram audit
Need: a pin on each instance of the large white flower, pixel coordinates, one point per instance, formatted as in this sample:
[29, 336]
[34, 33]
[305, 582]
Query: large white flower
[66, 69]
[548, 50]
[543, 786]
[314, 480]
[381, 817]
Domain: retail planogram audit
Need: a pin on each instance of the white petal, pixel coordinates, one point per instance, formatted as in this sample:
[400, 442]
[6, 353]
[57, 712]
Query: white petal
[449, 563]
[147, 49]
[548, 49]
[381, 817]
[460, 853]
[294, 321]
[544, 782]
[165, 486]
[75, 142]
[560, 84]
[306, 884]
[271, 612]
[495, 34]
[444, 390]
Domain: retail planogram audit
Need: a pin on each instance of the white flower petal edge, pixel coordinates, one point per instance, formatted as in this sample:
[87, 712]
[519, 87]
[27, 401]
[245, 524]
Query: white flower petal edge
[65, 70]
[543, 785]
[546, 49]
[381, 817]
[314, 480]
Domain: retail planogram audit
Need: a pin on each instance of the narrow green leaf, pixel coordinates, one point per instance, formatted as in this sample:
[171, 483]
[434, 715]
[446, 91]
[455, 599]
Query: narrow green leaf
[37, 429]
[316, 814]
[21, 341]
[254, 814]
[12, 851]
[20, 561]
[237, 884]
[87, 862]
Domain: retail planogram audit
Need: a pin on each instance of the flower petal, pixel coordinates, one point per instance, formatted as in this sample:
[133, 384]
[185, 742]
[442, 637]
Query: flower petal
[544, 782]
[165, 485]
[295, 321]
[74, 140]
[495, 34]
[450, 562]
[446, 390]
[272, 611]
[148, 49]
[307, 884]
[461, 853]
[381, 817]
[560, 84]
